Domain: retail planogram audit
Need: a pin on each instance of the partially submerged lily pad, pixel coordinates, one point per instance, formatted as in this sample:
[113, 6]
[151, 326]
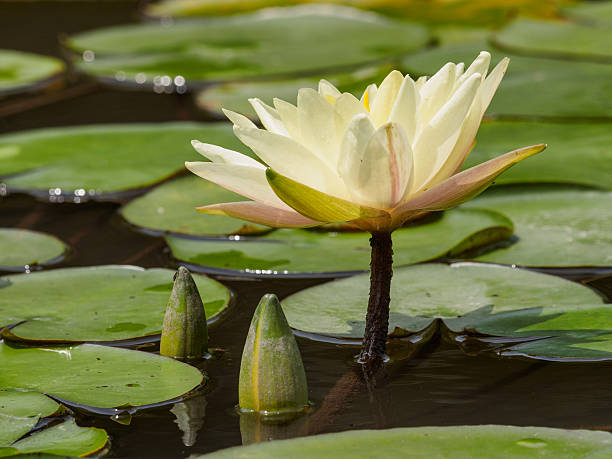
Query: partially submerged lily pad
[171, 207]
[328, 252]
[21, 71]
[590, 12]
[578, 153]
[421, 293]
[97, 376]
[262, 44]
[533, 87]
[457, 442]
[102, 303]
[65, 439]
[558, 39]
[23, 248]
[554, 226]
[105, 160]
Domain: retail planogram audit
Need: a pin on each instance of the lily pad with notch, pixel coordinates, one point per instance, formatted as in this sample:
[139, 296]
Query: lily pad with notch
[102, 161]
[23, 72]
[478, 442]
[555, 226]
[458, 294]
[578, 153]
[97, 376]
[24, 249]
[95, 304]
[327, 252]
[261, 44]
[533, 87]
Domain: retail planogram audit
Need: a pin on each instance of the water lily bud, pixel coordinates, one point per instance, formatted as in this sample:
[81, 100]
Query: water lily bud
[272, 377]
[184, 332]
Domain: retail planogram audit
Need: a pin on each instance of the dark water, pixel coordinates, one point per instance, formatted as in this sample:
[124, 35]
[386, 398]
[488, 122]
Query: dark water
[440, 386]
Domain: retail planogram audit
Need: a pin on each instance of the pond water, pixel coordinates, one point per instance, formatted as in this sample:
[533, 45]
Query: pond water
[440, 386]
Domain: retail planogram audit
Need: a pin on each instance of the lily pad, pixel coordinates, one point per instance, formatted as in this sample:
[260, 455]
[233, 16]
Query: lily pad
[329, 253]
[590, 13]
[235, 96]
[581, 332]
[457, 442]
[24, 404]
[554, 226]
[170, 207]
[97, 376]
[102, 303]
[66, 439]
[102, 161]
[20, 248]
[533, 87]
[262, 44]
[557, 39]
[579, 153]
[21, 71]
[421, 293]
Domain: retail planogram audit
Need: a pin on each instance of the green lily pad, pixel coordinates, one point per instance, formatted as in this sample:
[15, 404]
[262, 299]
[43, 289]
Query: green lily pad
[66, 439]
[12, 428]
[590, 13]
[97, 376]
[554, 226]
[578, 153]
[21, 71]
[101, 303]
[20, 248]
[457, 442]
[170, 207]
[327, 253]
[106, 160]
[533, 87]
[421, 293]
[24, 404]
[581, 332]
[235, 96]
[557, 39]
[246, 46]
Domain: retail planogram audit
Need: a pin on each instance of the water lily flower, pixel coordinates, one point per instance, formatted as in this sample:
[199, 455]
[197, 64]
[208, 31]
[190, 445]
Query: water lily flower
[375, 162]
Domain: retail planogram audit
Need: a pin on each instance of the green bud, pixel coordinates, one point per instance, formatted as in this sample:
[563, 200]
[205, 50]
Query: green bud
[272, 377]
[184, 332]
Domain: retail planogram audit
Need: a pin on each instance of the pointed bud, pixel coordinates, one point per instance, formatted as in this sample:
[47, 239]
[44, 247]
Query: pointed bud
[184, 332]
[272, 377]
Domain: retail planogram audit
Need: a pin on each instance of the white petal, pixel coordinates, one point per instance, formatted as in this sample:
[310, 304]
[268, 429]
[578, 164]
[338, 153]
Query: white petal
[480, 65]
[219, 154]
[385, 98]
[329, 91]
[369, 96]
[492, 81]
[436, 91]
[292, 159]
[238, 120]
[288, 115]
[420, 82]
[377, 166]
[437, 140]
[405, 109]
[269, 117]
[318, 119]
[245, 180]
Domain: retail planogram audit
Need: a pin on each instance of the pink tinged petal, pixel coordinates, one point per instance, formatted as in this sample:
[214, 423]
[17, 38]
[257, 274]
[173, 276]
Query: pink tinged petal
[262, 214]
[245, 180]
[289, 117]
[238, 120]
[480, 65]
[328, 91]
[269, 117]
[385, 98]
[404, 111]
[219, 154]
[463, 186]
[292, 159]
[317, 205]
[436, 91]
[377, 164]
[437, 140]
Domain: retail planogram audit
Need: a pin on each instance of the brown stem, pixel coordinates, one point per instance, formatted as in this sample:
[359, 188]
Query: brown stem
[377, 318]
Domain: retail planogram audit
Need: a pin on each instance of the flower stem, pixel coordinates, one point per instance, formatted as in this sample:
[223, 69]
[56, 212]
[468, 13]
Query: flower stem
[377, 319]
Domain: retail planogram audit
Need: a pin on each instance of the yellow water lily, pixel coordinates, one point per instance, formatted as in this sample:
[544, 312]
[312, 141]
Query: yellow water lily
[375, 162]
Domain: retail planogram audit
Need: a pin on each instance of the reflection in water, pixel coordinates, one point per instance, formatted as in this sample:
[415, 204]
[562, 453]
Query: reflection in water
[257, 428]
[190, 417]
